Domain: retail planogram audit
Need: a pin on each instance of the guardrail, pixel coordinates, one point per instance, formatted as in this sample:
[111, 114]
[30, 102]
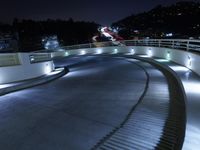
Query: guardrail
[9, 60]
[181, 44]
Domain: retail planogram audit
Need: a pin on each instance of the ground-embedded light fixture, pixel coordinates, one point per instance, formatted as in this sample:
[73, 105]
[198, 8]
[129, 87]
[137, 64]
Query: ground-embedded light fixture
[83, 52]
[66, 53]
[149, 52]
[32, 58]
[99, 51]
[115, 51]
[168, 55]
[132, 51]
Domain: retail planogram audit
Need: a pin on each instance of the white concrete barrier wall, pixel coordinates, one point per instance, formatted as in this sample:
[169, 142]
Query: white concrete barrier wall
[25, 70]
[184, 58]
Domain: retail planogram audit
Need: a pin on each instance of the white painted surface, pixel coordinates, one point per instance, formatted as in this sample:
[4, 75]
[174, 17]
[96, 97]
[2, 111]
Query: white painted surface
[25, 70]
[191, 86]
[184, 58]
[179, 56]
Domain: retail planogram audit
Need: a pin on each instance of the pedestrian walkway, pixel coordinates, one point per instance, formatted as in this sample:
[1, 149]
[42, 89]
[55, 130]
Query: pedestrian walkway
[191, 83]
[15, 86]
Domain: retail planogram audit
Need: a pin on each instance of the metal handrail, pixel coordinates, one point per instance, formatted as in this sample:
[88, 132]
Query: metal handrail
[181, 44]
[44, 55]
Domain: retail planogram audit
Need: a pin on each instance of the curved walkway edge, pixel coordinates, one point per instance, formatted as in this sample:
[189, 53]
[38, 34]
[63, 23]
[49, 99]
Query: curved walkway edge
[173, 132]
[177, 113]
[11, 87]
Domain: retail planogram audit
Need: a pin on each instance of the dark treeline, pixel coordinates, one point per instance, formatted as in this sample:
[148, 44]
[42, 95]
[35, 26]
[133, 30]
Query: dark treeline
[182, 19]
[5, 28]
[69, 32]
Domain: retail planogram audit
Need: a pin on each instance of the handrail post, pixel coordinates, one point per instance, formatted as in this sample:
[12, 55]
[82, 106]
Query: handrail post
[135, 42]
[159, 43]
[173, 44]
[188, 43]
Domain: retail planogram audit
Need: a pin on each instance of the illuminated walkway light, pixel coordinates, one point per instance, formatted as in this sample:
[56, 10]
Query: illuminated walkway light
[162, 60]
[132, 51]
[83, 52]
[66, 53]
[168, 55]
[32, 58]
[149, 53]
[99, 51]
[115, 51]
[179, 68]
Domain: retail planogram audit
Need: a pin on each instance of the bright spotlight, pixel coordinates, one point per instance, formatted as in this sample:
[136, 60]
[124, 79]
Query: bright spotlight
[132, 51]
[169, 34]
[99, 51]
[32, 58]
[149, 53]
[168, 55]
[66, 53]
[83, 52]
[162, 60]
[115, 51]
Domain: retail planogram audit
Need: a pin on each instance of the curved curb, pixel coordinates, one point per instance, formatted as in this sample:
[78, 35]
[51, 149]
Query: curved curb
[178, 102]
[174, 128]
[103, 140]
[33, 82]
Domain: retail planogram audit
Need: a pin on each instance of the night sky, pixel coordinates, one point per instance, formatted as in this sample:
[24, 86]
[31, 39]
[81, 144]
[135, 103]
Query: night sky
[104, 12]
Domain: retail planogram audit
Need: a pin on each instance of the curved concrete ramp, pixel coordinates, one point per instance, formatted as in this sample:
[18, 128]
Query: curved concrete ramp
[102, 103]
[158, 119]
